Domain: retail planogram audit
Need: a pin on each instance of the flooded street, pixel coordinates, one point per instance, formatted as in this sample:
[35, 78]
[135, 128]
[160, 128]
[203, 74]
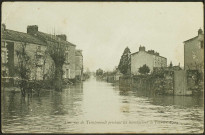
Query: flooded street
[97, 106]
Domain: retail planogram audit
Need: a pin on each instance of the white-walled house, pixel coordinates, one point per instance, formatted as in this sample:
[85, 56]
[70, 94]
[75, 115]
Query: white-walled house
[150, 58]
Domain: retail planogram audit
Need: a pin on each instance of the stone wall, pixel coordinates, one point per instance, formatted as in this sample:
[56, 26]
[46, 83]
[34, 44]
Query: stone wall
[195, 82]
[167, 82]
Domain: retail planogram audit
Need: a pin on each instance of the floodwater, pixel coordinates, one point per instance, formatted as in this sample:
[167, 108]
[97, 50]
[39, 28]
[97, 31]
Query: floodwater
[101, 107]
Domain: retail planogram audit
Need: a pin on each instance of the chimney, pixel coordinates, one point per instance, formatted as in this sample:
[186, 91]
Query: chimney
[156, 53]
[200, 31]
[141, 48]
[3, 27]
[151, 51]
[32, 29]
[62, 37]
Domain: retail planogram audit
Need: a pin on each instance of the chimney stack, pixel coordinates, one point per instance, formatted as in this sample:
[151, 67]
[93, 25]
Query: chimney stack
[3, 27]
[200, 31]
[62, 37]
[141, 48]
[32, 29]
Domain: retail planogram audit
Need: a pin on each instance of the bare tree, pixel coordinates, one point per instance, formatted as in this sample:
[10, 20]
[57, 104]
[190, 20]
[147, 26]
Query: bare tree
[23, 68]
[57, 53]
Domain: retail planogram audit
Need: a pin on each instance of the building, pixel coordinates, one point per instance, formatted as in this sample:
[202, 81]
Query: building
[49, 39]
[194, 52]
[13, 42]
[36, 45]
[78, 64]
[150, 58]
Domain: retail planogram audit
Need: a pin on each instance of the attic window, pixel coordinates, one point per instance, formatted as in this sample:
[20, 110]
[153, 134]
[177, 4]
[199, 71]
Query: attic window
[202, 44]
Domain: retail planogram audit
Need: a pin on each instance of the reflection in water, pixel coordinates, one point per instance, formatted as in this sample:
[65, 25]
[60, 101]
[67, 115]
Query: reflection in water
[91, 105]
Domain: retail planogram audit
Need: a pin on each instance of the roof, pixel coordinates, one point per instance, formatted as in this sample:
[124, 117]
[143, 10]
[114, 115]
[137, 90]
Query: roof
[193, 38]
[148, 53]
[52, 38]
[20, 36]
[135, 53]
[78, 53]
[40, 37]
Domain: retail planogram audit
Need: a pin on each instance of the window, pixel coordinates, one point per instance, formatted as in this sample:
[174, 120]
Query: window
[39, 48]
[3, 44]
[66, 48]
[4, 57]
[67, 73]
[202, 44]
[66, 57]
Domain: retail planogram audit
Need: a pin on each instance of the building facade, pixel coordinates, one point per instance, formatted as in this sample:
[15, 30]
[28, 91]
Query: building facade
[35, 44]
[150, 58]
[78, 63]
[69, 65]
[194, 52]
[13, 43]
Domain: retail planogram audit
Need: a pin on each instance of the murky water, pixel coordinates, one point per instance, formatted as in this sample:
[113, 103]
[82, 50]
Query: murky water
[96, 107]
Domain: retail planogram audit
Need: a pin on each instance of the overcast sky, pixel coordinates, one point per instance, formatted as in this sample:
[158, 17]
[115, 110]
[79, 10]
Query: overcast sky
[104, 29]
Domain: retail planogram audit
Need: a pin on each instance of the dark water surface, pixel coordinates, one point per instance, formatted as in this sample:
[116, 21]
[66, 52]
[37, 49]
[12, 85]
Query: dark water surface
[96, 106]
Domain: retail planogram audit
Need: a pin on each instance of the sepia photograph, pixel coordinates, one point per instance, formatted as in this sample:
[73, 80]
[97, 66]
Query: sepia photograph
[102, 67]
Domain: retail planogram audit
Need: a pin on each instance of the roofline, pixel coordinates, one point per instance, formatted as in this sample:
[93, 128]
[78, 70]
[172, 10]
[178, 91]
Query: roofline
[21, 41]
[71, 43]
[134, 53]
[60, 39]
[11, 40]
[190, 39]
[148, 53]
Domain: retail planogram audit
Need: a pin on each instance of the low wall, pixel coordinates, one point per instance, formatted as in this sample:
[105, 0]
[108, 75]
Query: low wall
[166, 82]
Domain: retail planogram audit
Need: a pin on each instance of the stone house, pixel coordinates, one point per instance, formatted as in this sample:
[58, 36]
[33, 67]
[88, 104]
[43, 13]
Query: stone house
[194, 52]
[36, 46]
[13, 41]
[150, 58]
[69, 66]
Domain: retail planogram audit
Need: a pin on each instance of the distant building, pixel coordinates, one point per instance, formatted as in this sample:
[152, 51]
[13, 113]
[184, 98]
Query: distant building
[150, 58]
[117, 75]
[99, 72]
[78, 63]
[194, 52]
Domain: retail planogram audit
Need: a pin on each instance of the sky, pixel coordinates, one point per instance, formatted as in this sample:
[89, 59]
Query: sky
[104, 29]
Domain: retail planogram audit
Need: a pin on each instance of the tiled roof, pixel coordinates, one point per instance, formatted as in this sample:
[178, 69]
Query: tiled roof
[20, 36]
[193, 38]
[149, 53]
[52, 38]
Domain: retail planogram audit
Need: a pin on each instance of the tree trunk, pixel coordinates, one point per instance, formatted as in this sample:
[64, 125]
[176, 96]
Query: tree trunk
[58, 78]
